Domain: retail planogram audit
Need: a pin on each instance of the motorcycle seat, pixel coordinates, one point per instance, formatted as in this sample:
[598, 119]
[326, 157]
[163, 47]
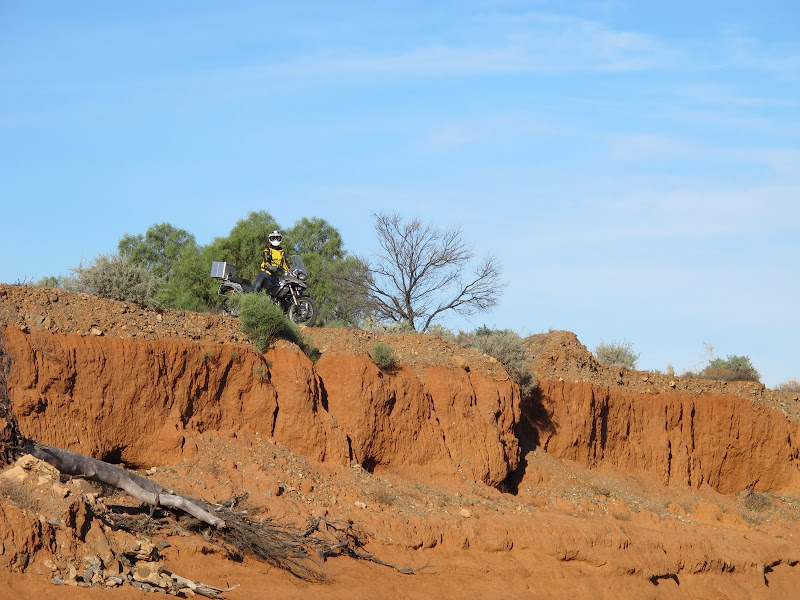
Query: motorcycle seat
[245, 283]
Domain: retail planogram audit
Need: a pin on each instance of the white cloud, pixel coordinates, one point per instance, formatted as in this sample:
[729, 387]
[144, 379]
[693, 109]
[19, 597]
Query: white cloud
[645, 147]
[526, 44]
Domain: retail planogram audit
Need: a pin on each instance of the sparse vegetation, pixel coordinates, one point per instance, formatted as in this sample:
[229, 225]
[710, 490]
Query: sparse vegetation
[20, 496]
[732, 368]
[791, 385]
[756, 501]
[48, 282]
[383, 497]
[372, 324]
[616, 354]
[383, 356]
[507, 347]
[442, 332]
[260, 373]
[111, 276]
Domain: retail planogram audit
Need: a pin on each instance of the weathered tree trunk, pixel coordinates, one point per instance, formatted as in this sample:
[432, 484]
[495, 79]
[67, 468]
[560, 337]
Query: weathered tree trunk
[143, 489]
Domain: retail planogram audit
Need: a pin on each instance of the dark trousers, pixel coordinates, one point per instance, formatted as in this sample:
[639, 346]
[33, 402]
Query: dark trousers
[265, 281]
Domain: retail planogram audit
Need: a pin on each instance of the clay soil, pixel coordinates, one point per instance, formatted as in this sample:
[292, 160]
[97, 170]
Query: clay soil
[557, 528]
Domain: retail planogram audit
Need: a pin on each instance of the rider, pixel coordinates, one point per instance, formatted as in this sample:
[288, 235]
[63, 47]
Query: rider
[273, 259]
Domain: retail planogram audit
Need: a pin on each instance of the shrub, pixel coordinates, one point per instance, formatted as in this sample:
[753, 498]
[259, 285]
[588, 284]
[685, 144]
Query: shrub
[111, 276]
[47, 282]
[507, 347]
[372, 324]
[732, 368]
[792, 385]
[383, 356]
[616, 354]
[264, 322]
[442, 332]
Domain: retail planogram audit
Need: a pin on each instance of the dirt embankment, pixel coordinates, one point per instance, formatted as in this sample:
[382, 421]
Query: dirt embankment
[623, 484]
[731, 436]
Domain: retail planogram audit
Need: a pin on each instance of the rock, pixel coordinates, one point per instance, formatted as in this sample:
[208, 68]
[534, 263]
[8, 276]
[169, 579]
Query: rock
[465, 512]
[148, 572]
[359, 504]
[96, 331]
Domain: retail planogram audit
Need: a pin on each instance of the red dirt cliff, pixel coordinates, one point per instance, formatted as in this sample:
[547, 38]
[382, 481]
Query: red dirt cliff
[604, 483]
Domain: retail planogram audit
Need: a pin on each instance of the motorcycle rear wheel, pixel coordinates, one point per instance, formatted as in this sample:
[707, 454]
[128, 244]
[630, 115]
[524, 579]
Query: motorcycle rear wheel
[305, 312]
[225, 309]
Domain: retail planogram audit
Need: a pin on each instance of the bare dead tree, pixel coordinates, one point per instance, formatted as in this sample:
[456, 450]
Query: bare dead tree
[420, 272]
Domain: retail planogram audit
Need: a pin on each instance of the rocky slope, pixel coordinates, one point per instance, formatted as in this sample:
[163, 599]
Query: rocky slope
[604, 483]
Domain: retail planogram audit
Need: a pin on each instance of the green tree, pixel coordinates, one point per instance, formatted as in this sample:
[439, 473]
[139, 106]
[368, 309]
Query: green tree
[245, 243]
[159, 249]
[331, 271]
[191, 287]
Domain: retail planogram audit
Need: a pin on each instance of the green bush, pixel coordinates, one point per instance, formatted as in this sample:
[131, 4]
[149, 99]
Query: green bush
[111, 276]
[616, 354]
[264, 322]
[507, 347]
[383, 356]
[732, 368]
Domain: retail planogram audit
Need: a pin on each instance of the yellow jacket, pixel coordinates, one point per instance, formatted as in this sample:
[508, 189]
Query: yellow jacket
[274, 257]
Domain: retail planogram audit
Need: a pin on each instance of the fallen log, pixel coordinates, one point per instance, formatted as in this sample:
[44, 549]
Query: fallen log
[143, 489]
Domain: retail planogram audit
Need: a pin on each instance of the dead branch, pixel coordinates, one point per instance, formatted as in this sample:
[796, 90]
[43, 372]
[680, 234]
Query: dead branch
[78, 465]
[275, 544]
[202, 589]
[419, 273]
[346, 540]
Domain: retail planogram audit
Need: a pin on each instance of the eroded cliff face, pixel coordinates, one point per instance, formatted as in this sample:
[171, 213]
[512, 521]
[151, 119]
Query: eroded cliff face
[187, 397]
[722, 440]
[143, 402]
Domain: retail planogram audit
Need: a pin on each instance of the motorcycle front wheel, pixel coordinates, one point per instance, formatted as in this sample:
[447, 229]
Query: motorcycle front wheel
[305, 312]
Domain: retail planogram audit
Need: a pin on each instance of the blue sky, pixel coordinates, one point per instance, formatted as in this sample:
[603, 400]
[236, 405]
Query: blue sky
[635, 166]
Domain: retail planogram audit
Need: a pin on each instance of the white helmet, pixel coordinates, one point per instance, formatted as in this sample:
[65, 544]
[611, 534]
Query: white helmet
[275, 238]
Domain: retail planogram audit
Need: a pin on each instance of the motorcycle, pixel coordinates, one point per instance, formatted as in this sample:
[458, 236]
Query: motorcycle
[291, 293]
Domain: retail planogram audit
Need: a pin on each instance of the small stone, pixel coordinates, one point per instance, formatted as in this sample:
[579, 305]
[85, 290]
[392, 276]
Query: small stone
[96, 331]
[360, 504]
[466, 513]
